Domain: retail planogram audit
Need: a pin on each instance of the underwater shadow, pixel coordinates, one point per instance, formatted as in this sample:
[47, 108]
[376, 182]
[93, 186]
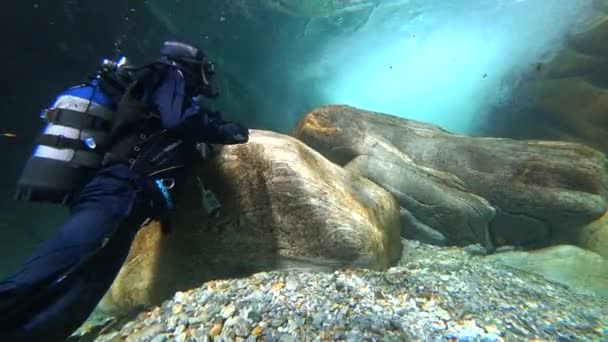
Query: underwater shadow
[201, 248]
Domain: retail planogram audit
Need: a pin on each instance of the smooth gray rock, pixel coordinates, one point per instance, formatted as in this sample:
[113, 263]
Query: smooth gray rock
[521, 192]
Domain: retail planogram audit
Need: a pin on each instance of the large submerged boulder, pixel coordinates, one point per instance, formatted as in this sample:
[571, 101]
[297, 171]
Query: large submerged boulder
[470, 189]
[567, 97]
[283, 206]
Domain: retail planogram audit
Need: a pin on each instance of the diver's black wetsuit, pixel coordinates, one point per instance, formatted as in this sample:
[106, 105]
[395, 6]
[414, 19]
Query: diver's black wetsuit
[61, 283]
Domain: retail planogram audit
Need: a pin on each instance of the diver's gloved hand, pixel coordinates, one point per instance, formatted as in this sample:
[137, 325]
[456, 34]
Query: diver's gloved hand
[202, 125]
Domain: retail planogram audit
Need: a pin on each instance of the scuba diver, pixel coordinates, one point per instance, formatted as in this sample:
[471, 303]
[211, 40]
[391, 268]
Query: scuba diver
[114, 150]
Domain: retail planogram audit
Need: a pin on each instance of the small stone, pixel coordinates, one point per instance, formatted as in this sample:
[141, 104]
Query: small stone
[128, 327]
[339, 336]
[395, 324]
[563, 338]
[212, 310]
[257, 331]
[339, 285]
[286, 338]
[196, 320]
[216, 330]
[230, 322]
[201, 335]
[179, 297]
[147, 333]
[549, 329]
[256, 281]
[277, 285]
[183, 337]
[177, 308]
[582, 326]
[475, 249]
[159, 338]
[489, 338]
[291, 284]
[467, 338]
[277, 322]
[318, 319]
[171, 323]
[254, 315]
[179, 329]
[532, 305]
[491, 329]
[506, 307]
[181, 319]
[242, 328]
[269, 338]
[227, 311]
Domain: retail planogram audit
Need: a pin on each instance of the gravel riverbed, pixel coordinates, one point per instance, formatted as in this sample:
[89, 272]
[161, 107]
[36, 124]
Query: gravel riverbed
[434, 294]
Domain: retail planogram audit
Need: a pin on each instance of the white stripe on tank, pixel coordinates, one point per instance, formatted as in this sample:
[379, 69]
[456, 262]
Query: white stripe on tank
[68, 132]
[49, 152]
[43, 151]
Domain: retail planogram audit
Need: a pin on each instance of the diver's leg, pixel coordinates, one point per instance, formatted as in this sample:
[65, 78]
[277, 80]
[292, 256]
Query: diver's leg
[104, 202]
[59, 312]
[59, 286]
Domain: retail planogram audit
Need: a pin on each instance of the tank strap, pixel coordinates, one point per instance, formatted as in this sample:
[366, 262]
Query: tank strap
[80, 120]
[60, 141]
[87, 159]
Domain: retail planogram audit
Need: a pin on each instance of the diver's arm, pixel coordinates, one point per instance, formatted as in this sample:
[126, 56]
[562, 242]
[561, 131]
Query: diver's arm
[188, 120]
[211, 128]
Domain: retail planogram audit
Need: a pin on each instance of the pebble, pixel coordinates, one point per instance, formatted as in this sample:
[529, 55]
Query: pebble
[228, 311]
[159, 338]
[291, 284]
[275, 323]
[183, 337]
[489, 338]
[179, 329]
[396, 324]
[146, 333]
[269, 338]
[216, 330]
[242, 328]
[476, 249]
[286, 338]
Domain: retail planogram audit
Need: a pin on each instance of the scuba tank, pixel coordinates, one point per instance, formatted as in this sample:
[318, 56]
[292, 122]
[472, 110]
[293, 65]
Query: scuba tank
[69, 150]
